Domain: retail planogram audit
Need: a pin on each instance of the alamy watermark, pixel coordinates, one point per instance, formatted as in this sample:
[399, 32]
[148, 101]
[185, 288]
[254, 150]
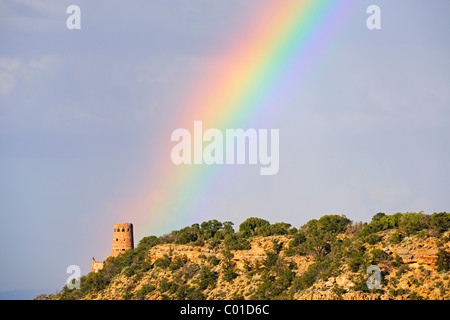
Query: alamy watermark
[232, 146]
[73, 281]
[374, 280]
[373, 22]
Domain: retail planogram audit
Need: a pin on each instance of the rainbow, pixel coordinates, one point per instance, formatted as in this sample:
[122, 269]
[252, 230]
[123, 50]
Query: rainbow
[258, 71]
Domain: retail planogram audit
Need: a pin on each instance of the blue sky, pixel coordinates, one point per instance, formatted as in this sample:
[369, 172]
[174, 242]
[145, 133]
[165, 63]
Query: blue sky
[82, 110]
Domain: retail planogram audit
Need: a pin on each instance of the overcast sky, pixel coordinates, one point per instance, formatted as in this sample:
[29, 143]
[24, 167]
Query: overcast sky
[81, 112]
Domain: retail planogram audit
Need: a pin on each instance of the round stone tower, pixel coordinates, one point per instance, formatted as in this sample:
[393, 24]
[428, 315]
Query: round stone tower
[122, 238]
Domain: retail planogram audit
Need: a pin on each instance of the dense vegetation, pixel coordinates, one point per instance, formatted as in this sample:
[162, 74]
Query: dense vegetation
[333, 242]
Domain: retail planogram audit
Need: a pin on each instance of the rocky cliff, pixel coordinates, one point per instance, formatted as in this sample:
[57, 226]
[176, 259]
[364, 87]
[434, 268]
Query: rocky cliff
[325, 259]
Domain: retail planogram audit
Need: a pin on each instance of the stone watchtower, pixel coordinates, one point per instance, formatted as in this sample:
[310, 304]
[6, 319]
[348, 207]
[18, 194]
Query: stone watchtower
[122, 238]
[122, 241]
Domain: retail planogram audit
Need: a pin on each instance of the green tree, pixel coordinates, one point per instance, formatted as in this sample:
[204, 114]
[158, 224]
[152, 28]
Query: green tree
[412, 222]
[333, 224]
[440, 221]
[322, 233]
[208, 229]
[228, 227]
[207, 278]
[250, 226]
[380, 221]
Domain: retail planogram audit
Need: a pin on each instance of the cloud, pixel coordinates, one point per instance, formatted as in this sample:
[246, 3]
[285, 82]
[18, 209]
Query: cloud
[13, 70]
[47, 7]
[7, 77]
[9, 64]
[7, 83]
[32, 15]
[50, 64]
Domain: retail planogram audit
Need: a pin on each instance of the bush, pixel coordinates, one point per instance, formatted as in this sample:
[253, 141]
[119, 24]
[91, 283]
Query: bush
[177, 263]
[271, 259]
[187, 292]
[144, 291]
[167, 286]
[440, 221]
[163, 263]
[412, 222]
[207, 278]
[396, 238]
[373, 239]
[232, 242]
[251, 226]
[356, 261]
[380, 222]
[148, 242]
[229, 272]
[333, 224]
[378, 256]
[443, 260]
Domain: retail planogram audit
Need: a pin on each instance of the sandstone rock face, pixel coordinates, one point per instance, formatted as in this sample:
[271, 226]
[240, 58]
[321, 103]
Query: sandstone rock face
[417, 276]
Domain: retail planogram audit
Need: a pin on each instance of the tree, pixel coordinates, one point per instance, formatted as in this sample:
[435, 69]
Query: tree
[186, 235]
[250, 226]
[322, 233]
[380, 222]
[440, 221]
[280, 228]
[207, 278]
[228, 227]
[148, 241]
[378, 216]
[412, 222]
[209, 228]
[333, 224]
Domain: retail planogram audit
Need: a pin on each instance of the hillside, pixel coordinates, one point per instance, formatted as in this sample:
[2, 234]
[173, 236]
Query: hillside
[323, 259]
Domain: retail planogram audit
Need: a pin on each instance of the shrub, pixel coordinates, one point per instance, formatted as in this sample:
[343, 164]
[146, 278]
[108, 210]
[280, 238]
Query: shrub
[279, 228]
[208, 229]
[164, 262]
[177, 263]
[396, 238]
[443, 260]
[412, 222]
[355, 263]
[207, 278]
[229, 272]
[440, 221]
[232, 242]
[272, 288]
[187, 292]
[148, 242]
[333, 224]
[380, 222]
[213, 260]
[294, 244]
[167, 286]
[378, 256]
[373, 239]
[144, 291]
[271, 259]
[250, 226]
[397, 261]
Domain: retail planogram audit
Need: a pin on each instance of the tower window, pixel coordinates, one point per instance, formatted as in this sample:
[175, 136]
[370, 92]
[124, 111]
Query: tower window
[123, 230]
[117, 239]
